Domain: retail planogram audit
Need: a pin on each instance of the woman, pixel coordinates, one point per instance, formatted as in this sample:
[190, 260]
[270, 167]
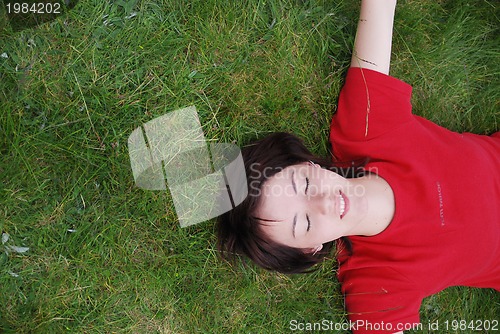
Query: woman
[406, 222]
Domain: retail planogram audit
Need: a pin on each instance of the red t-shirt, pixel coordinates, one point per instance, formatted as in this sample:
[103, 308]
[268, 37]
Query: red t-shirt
[446, 228]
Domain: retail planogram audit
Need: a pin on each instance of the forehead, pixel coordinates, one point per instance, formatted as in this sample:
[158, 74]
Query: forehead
[277, 193]
[282, 183]
[286, 174]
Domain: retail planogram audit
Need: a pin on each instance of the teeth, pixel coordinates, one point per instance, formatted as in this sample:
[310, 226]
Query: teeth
[342, 205]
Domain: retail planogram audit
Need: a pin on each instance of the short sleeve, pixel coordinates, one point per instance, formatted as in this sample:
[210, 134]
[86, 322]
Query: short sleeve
[380, 300]
[370, 104]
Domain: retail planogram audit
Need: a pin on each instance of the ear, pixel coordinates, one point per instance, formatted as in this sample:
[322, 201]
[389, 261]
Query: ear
[315, 250]
[313, 164]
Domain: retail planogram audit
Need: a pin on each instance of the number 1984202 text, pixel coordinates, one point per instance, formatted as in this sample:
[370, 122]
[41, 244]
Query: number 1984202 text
[33, 8]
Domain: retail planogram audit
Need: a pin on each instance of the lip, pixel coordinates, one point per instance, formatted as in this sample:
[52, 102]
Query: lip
[347, 204]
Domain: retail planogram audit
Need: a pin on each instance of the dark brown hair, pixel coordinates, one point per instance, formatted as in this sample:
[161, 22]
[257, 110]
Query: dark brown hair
[239, 231]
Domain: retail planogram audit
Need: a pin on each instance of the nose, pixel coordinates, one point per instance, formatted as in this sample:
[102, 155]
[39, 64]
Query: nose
[322, 203]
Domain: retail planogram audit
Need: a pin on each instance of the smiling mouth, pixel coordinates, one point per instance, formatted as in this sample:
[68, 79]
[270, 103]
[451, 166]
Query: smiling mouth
[344, 204]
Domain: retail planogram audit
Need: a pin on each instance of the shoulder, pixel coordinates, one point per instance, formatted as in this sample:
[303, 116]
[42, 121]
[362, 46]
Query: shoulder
[366, 77]
[370, 103]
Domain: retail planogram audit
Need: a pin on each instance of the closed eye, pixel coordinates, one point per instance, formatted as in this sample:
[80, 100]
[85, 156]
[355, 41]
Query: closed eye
[307, 216]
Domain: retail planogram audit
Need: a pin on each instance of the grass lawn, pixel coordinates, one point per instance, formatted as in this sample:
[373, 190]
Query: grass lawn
[107, 257]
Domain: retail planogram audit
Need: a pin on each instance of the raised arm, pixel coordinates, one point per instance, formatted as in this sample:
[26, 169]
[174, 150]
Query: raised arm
[372, 47]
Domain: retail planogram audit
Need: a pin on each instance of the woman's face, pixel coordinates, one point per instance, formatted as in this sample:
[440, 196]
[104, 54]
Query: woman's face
[308, 206]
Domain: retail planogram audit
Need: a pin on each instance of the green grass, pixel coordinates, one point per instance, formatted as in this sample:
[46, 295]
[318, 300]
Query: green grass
[73, 89]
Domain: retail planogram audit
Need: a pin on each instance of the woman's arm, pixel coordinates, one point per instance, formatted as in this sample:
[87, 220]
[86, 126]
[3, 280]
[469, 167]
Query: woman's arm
[372, 47]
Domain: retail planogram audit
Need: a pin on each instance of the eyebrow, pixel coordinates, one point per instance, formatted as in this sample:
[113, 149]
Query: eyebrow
[294, 224]
[293, 182]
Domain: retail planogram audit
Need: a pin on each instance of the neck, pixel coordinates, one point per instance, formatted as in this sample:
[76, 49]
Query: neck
[380, 205]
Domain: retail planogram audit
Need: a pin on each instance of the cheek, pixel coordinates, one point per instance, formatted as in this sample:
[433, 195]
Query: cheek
[326, 230]
[329, 178]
